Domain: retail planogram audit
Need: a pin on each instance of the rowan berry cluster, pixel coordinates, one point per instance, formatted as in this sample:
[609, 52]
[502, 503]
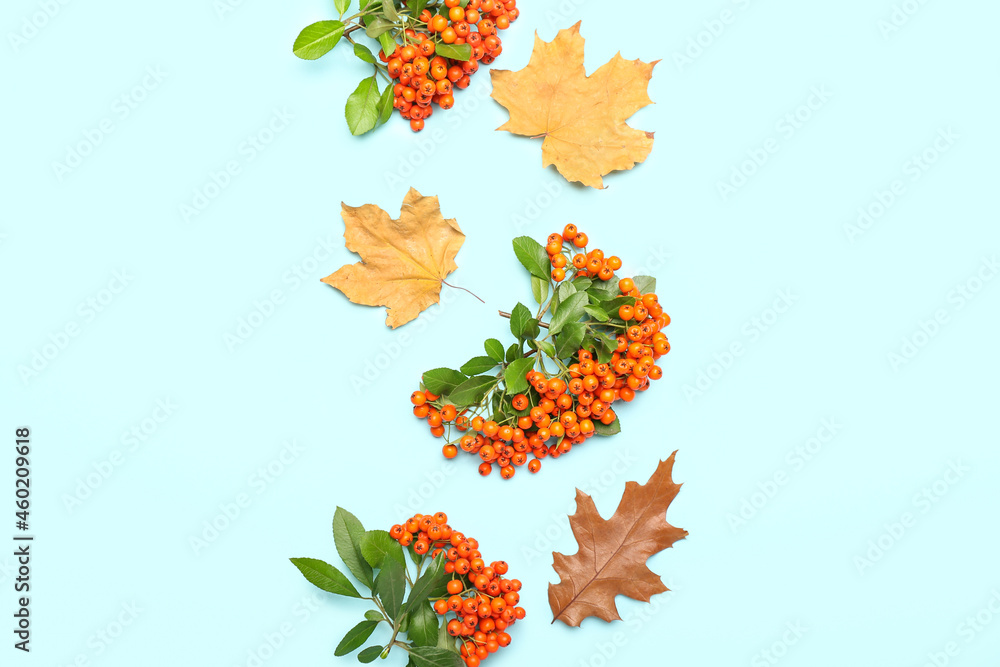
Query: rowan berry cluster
[482, 603]
[424, 78]
[608, 357]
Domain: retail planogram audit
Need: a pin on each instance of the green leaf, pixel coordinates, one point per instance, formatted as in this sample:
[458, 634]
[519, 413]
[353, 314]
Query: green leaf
[513, 352]
[325, 576]
[539, 289]
[416, 6]
[376, 545]
[370, 654]
[388, 43]
[374, 615]
[444, 640]
[561, 293]
[362, 110]
[390, 584]
[478, 365]
[389, 11]
[355, 637]
[317, 39]
[377, 26]
[522, 322]
[454, 51]
[611, 307]
[427, 582]
[432, 656]
[514, 374]
[423, 629]
[494, 348]
[547, 347]
[347, 534]
[471, 391]
[607, 429]
[342, 5]
[604, 290]
[363, 52]
[442, 381]
[569, 339]
[645, 284]
[597, 313]
[570, 310]
[529, 252]
[582, 284]
[606, 347]
[385, 105]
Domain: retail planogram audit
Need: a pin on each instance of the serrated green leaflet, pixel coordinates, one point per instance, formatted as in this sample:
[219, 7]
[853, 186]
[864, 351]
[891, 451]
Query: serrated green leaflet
[390, 585]
[442, 381]
[539, 289]
[569, 339]
[362, 110]
[514, 375]
[471, 391]
[530, 253]
[570, 310]
[347, 535]
[325, 576]
[377, 545]
[494, 348]
[478, 365]
[355, 637]
[317, 39]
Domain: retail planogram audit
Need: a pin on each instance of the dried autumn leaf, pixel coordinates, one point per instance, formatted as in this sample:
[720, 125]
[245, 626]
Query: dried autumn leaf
[612, 556]
[581, 117]
[404, 261]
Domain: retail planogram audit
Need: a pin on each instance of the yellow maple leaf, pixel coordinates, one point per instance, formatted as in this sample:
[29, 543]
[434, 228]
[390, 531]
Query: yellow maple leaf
[582, 118]
[404, 261]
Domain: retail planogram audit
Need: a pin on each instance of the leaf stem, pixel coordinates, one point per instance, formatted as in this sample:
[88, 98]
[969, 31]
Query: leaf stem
[444, 282]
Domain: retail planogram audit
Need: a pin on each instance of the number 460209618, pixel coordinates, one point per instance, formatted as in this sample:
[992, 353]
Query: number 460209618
[22, 483]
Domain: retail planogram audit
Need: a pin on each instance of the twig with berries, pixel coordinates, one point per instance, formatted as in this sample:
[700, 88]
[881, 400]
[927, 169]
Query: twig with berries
[427, 49]
[601, 345]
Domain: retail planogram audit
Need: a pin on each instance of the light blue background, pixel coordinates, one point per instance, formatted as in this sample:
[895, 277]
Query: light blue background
[721, 263]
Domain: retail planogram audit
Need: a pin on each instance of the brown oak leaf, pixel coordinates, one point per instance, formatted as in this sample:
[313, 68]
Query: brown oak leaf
[612, 556]
[404, 261]
[582, 118]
